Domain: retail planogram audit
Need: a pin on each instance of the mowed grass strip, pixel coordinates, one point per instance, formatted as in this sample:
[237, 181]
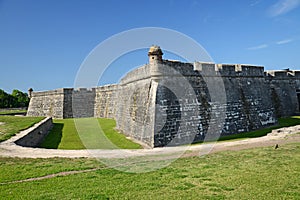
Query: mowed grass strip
[14, 124]
[12, 112]
[86, 133]
[262, 173]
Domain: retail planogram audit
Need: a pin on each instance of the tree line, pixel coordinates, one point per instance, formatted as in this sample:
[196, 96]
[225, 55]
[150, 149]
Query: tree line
[16, 99]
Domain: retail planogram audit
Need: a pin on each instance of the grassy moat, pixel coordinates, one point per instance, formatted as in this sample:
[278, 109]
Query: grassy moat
[64, 134]
[86, 133]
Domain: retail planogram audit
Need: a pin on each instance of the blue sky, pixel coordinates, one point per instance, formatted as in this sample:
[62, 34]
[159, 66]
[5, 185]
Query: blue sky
[44, 42]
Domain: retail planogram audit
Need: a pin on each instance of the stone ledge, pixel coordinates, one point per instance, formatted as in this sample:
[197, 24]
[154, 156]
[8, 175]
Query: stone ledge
[32, 136]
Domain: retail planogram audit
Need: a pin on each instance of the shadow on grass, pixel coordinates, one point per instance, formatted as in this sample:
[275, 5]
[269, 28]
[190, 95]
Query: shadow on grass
[282, 122]
[53, 139]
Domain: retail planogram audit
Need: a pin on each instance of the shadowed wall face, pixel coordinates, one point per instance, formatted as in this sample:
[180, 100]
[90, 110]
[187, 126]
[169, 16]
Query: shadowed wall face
[248, 105]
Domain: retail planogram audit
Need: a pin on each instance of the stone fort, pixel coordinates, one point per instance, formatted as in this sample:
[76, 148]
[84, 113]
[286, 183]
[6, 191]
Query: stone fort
[147, 107]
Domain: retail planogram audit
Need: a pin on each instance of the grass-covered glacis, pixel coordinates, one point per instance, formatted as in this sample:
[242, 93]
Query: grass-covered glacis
[11, 125]
[12, 112]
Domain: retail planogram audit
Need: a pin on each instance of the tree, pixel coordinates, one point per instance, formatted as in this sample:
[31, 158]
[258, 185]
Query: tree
[20, 99]
[14, 100]
[3, 99]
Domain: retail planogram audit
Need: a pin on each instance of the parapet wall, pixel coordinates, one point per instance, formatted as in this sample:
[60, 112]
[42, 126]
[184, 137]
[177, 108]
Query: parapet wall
[211, 69]
[143, 72]
[282, 74]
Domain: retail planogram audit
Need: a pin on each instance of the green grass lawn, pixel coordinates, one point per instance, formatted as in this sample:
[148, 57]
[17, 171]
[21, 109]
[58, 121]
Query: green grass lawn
[12, 112]
[64, 135]
[14, 124]
[262, 173]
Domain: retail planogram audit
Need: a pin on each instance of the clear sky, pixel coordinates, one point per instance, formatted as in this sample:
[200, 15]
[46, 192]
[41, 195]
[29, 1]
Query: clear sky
[44, 42]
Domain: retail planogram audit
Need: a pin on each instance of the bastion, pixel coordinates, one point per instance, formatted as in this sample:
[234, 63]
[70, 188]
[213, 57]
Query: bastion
[169, 103]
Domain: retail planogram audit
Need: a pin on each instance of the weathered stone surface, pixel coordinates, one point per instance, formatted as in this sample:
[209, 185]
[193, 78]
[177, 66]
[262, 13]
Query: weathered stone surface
[284, 87]
[248, 104]
[49, 103]
[135, 106]
[105, 101]
[83, 102]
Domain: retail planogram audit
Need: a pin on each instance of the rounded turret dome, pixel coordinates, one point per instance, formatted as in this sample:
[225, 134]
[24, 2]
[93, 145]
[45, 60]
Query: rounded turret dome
[155, 50]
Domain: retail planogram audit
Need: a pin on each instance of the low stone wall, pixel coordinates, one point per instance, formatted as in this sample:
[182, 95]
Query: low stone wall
[33, 136]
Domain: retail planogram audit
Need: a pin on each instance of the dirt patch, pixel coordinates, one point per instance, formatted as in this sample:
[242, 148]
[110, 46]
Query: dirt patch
[66, 173]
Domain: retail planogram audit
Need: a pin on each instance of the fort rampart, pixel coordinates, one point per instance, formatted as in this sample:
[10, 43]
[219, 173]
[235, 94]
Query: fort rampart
[171, 102]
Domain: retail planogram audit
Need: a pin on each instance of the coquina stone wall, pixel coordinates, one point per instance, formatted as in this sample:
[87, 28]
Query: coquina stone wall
[48, 104]
[191, 115]
[83, 102]
[106, 99]
[135, 106]
[284, 87]
[172, 103]
[75, 103]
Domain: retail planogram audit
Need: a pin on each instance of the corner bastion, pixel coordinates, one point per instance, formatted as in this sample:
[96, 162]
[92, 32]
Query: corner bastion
[147, 109]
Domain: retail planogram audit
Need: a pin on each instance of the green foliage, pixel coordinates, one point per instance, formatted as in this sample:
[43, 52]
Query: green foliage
[64, 135]
[15, 100]
[262, 173]
[14, 124]
[21, 99]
